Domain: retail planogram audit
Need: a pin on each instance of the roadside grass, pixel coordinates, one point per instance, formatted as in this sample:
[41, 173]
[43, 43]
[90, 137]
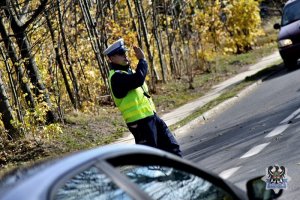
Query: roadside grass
[87, 130]
[80, 131]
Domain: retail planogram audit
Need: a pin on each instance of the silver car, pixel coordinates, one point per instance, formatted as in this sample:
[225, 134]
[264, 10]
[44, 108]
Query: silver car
[124, 172]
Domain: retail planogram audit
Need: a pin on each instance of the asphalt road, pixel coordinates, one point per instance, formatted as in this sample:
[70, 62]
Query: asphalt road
[260, 130]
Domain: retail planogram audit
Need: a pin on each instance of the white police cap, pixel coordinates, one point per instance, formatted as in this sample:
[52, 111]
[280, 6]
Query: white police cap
[117, 47]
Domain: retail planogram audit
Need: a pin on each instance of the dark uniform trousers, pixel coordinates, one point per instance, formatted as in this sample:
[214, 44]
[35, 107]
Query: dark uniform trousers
[153, 131]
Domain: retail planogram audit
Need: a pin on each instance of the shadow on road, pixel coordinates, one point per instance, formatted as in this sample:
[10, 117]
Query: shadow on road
[272, 72]
[282, 70]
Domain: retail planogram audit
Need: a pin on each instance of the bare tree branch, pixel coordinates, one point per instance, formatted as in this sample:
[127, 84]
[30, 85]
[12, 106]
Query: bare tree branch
[37, 12]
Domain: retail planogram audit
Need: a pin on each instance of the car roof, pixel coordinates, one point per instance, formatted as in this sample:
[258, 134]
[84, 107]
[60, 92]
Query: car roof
[289, 2]
[58, 169]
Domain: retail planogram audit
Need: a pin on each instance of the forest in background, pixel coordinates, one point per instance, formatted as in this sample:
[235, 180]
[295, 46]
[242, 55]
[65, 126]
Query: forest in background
[52, 61]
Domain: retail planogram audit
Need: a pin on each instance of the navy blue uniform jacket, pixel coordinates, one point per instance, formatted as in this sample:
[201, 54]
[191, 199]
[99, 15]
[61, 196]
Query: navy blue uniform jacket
[122, 83]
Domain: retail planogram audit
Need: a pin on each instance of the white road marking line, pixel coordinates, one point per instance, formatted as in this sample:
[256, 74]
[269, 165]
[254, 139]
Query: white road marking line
[278, 130]
[229, 172]
[291, 116]
[255, 150]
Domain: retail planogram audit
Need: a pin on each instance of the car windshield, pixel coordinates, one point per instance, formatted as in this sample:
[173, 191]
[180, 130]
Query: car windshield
[291, 13]
[168, 183]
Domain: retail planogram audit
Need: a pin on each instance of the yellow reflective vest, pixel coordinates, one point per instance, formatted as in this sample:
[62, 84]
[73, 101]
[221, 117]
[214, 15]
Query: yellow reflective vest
[135, 105]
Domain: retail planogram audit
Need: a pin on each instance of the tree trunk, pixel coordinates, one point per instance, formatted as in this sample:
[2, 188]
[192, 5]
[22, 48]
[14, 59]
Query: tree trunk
[13, 86]
[171, 39]
[163, 53]
[25, 48]
[59, 61]
[76, 98]
[96, 45]
[18, 68]
[33, 71]
[134, 24]
[158, 44]
[6, 112]
[154, 74]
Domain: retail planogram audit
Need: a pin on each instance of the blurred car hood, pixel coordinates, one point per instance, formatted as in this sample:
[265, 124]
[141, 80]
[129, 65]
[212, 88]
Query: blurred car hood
[289, 31]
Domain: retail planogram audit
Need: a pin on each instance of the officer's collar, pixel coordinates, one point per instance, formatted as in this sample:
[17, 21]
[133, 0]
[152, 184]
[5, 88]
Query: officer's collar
[114, 66]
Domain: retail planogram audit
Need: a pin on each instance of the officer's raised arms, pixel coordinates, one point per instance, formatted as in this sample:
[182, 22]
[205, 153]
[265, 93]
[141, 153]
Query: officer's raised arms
[121, 82]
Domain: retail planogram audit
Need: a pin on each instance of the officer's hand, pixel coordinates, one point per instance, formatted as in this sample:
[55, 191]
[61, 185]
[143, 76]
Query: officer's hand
[138, 52]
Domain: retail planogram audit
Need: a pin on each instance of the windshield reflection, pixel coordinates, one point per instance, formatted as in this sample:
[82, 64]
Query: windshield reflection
[170, 184]
[90, 184]
[291, 13]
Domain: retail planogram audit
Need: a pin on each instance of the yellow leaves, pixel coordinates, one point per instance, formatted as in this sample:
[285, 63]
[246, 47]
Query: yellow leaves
[25, 79]
[87, 106]
[91, 74]
[169, 19]
[51, 131]
[122, 2]
[1, 122]
[130, 39]
[242, 24]
[229, 50]
[34, 122]
[205, 55]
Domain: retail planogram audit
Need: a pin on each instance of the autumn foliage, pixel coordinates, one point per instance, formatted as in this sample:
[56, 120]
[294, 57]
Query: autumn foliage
[51, 51]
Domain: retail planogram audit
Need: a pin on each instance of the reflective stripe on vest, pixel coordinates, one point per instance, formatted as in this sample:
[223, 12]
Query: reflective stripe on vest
[135, 105]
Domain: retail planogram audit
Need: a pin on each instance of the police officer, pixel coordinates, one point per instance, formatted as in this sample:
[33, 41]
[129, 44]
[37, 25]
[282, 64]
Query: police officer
[130, 94]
